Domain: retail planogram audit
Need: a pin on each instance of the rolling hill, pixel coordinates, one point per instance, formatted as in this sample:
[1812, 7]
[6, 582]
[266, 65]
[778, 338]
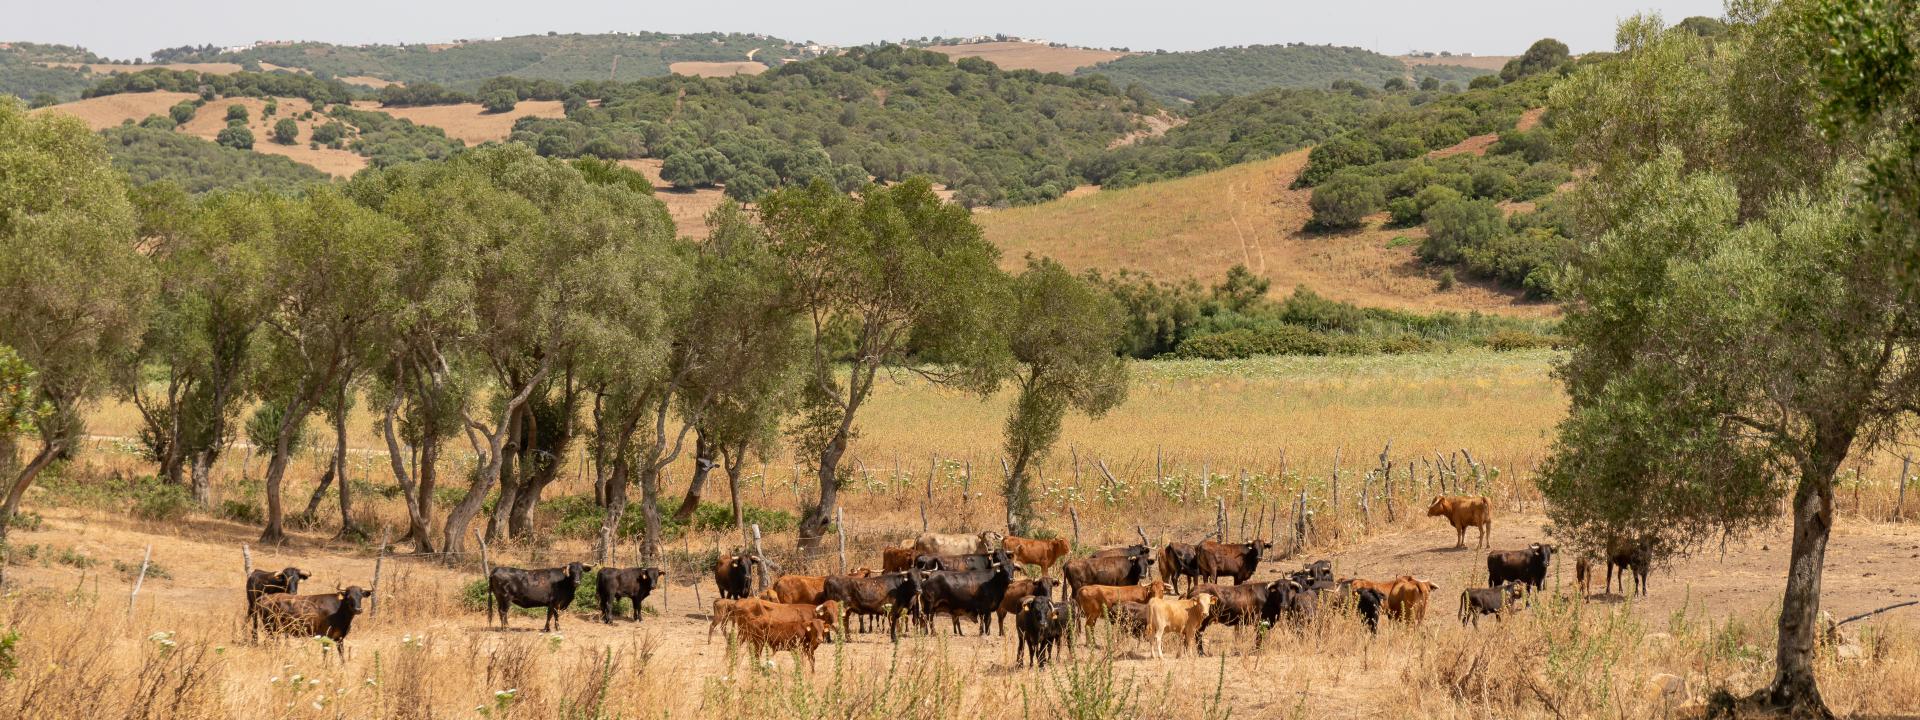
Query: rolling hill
[563, 57]
[1252, 68]
[1198, 227]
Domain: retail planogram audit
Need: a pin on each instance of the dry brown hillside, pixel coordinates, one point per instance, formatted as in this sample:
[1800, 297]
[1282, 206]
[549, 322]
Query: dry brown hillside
[717, 69]
[469, 122]
[1030, 56]
[1198, 227]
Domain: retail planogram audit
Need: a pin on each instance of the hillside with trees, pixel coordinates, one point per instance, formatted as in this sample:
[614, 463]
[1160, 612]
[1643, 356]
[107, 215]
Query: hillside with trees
[1248, 69]
[992, 136]
[552, 56]
[27, 72]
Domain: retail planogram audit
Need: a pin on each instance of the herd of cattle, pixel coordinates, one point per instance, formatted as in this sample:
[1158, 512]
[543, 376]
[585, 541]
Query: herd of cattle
[972, 578]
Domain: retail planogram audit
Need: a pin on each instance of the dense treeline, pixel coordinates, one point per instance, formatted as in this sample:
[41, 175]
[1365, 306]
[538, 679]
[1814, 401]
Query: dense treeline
[563, 57]
[1253, 68]
[22, 76]
[240, 84]
[491, 299]
[386, 140]
[993, 136]
[156, 155]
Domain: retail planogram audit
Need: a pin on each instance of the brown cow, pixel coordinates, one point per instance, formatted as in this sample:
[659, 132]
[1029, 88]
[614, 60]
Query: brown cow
[1464, 512]
[1044, 553]
[791, 589]
[1093, 600]
[1018, 593]
[1583, 573]
[1408, 600]
[734, 575]
[897, 559]
[1634, 556]
[329, 615]
[1236, 560]
[1179, 616]
[782, 626]
[722, 615]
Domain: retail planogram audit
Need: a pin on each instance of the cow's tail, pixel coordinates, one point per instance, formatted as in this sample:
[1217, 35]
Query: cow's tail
[1463, 607]
[490, 612]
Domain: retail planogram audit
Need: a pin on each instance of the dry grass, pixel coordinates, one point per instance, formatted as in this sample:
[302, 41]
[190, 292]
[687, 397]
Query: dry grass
[717, 69]
[108, 111]
[469, 122]
[212, 118]
[1030, 56]
[81, 653]
[1198, 227]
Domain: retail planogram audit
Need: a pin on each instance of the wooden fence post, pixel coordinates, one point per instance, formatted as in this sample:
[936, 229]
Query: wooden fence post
[135, 595]
[1076, 465]
[1334, 503]
[1220, 518]
[1899, 508]
[246, 559]
[840, 528]
[373, 606]
[1206, 482]
[486, 568]
[1159, 469]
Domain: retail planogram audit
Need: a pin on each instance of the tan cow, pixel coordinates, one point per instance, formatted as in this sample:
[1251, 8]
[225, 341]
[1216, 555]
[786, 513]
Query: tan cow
[1093, 600]
[956, 543]
[1464, 512]
[1179, 616]
[1028, 551]
[1408, 600]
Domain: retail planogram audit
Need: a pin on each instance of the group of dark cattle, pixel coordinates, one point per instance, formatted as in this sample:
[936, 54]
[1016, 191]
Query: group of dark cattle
[973, 577]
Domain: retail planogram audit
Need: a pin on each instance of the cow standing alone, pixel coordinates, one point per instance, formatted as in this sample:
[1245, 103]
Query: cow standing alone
[634, 584]
[1464, 512]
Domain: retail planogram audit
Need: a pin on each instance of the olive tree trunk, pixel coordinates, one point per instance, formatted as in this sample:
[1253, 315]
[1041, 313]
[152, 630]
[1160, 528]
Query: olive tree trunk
[1794, 687]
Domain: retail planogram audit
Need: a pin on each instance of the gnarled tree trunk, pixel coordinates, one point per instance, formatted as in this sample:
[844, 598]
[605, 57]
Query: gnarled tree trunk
[1794, 687]
[704, 453]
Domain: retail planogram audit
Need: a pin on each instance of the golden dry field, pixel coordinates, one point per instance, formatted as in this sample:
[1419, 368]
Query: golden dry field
[1198, 227]
[469, 122]
[717, 69]
[1030, 56]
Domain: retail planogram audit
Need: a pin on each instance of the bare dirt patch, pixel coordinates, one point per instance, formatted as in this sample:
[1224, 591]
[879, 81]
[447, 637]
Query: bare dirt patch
[1151, 126]
[469, 122]
[1030, 56]
[717, 69]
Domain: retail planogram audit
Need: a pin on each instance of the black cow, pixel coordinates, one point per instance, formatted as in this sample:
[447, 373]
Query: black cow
[1237, 560]
[330, 615]
[968, 593]
[1626, 555]
[1370, 602]
[1528, 567]
[734, 575]
[1106, 571]
[890, 595]
[551, 588]
[631, 583]
[1289, 599]
[1180, 560]
[928, 562]
[1041, 623]
[1475, 602]
[261, 582]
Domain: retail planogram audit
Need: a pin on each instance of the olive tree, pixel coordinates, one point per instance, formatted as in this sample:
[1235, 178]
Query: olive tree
[329, 283]
[1064, 335]
[73, 286]
[891, 279]
[1742, 303]
[211, 258]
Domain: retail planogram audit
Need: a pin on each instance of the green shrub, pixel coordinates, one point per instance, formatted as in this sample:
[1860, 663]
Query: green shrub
[1509, 340]
[1541, 179]
[158, 122]
[1403, 212]
[236, 113]
[1331, 156]
[1446, 280]
[329, 132]
[74, 558]
[182, 112]
[241, 512]
[1484, 82]
[1434, 195]
[237, 137]
[131, 570]
[1457, 225]
[27, 520]
[9, 657]
[160, 501]
[1492, 183]
[286, 131]
[1344, 201]
[716, 517]
[264, 427]
[500, 101]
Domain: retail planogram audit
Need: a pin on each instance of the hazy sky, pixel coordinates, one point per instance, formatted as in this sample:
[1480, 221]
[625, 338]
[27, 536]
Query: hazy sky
[129, 28]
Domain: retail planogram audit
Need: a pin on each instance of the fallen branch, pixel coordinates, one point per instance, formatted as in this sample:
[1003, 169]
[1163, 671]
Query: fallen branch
[1871, 613]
